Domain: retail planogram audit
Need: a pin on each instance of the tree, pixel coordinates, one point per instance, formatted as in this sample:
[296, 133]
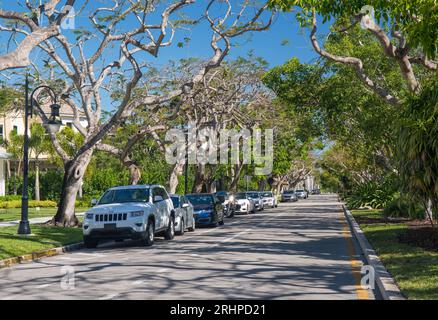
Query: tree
[39, 144]
[85, 71]
[418, 149]
[413, 26]
[28, 24]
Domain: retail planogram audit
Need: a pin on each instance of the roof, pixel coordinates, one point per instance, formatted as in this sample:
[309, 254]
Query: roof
[65, 111]
[142, 186]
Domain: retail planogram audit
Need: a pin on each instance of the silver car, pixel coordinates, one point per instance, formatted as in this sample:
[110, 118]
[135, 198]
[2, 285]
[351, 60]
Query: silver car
[184, 214]
[258, 201]
[269, 199]
[301, 194]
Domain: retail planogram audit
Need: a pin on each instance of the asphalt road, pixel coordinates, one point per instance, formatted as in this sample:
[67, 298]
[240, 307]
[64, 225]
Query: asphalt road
[300, 250]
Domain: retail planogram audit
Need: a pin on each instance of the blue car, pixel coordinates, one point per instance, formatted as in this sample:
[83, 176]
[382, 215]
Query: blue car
[208, 210]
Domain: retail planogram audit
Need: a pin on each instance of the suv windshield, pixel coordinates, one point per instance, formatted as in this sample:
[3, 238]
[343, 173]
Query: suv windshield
[300, 190]
[125, 195]
[288, 192]
[200, 199]
[253, 195]
[267, 194]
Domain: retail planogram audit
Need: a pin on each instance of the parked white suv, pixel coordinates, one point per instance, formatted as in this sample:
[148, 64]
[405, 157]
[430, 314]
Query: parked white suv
[130, 212]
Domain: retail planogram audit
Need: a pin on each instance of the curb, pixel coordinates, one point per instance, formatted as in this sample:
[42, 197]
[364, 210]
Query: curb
[386, 284]
[40, 254]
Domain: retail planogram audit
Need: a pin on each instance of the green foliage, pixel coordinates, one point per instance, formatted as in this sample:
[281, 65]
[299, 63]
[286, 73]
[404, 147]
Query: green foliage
[417, 146]
[402, 207]
[418, 19]
[10, 198]
[374, 194]
[32, 204]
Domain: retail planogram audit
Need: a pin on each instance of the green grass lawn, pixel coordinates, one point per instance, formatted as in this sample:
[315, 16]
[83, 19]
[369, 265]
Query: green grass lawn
[414, 269]
[43, 238]
[15, 214]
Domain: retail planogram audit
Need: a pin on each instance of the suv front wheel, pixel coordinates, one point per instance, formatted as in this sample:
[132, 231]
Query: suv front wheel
[148, 238]
[170, 232]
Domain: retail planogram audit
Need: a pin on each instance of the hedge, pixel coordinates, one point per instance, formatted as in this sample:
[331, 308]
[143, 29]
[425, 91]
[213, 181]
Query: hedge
[32, 204]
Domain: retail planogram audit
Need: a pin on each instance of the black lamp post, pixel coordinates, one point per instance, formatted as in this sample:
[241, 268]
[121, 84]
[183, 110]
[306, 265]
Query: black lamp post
[52, 126]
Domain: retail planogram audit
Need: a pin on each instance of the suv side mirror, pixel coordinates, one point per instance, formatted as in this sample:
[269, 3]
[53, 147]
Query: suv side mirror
[93, 202]
[158, 198]
[185, 205]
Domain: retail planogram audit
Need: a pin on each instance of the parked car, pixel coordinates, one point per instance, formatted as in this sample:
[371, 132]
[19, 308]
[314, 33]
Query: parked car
[184, 214]
[258, 201]
[244, 203]
[269, 199]
[208, 209]
[130, 212]
[289, 195]
[316, 191]
[302, 194]
[228, 203]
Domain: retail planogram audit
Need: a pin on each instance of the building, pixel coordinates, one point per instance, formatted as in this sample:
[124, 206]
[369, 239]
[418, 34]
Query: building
[13, 120]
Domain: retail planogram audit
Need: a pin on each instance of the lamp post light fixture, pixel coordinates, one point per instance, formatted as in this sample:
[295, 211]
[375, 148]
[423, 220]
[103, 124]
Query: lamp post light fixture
[52, 126]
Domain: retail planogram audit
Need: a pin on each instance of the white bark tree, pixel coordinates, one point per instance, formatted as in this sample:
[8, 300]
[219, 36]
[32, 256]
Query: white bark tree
[109, 51]
[398, 50]
[19, 23]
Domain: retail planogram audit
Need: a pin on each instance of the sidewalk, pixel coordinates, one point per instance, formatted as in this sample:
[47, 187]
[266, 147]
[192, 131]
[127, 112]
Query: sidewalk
[32, 221]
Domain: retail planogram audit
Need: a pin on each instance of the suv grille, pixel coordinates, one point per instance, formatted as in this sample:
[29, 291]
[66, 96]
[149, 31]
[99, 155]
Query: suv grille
[104, 217]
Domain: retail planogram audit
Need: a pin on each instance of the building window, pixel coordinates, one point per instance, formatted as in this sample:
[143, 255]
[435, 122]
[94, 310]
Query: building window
[15, 129]
[69, 124]
[1, 133]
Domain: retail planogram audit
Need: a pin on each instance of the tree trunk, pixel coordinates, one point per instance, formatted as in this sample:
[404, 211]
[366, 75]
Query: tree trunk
[236, 178]
[15, 182]
[199, 179]
[37, 181]
[134, 174]
[173, 179]
[73, 173]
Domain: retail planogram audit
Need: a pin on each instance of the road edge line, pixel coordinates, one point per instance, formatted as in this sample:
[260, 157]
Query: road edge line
[385, 282]
[35, 256]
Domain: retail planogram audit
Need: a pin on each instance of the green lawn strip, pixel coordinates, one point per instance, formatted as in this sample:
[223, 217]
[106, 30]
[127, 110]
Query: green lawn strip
[42, 238]
[15, 213]
[414, 269]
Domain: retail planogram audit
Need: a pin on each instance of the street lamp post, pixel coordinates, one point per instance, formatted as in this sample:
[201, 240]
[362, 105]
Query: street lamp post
[52, 126]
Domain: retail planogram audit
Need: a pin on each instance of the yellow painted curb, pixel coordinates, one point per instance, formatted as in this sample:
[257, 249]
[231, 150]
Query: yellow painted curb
[34, 256]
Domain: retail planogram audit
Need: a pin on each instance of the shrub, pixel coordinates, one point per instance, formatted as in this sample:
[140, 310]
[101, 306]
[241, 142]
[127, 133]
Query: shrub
[402, 207]
[32, 204]
[10, 197]
[374, 194]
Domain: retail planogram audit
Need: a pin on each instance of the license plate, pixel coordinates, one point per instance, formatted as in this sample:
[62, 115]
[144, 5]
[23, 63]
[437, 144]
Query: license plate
[109, 226]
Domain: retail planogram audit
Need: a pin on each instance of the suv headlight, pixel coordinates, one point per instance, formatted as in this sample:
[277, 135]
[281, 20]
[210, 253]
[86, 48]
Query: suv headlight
[134, 214]
[89, 216]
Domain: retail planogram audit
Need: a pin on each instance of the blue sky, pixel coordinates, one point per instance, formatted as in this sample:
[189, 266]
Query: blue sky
[270, 44]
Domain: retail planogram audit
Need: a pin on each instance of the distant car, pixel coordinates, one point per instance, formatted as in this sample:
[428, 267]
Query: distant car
[184, 214]
[208, 209]
[228, 203]
[244, 203]
[130, 212]
[269, 199]
[289, 195]
[301, 194]
[258, 201]
[316, 191]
